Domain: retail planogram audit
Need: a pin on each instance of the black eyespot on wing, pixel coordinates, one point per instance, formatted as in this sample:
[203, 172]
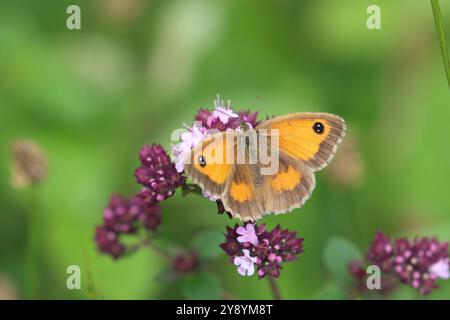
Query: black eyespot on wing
[318, 127]
[201, 161]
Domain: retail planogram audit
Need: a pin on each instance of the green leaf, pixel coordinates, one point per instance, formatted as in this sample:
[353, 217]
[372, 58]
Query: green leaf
[339, 253]
[441, 35]
[201, 286]
[207, 244]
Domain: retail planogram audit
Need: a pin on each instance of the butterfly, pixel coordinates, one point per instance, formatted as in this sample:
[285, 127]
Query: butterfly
[225, 167]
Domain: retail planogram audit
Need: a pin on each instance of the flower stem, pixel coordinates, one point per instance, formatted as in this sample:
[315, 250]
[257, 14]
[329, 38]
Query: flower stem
[147, 242]
[274, 287]
[442, 41]
[32, 278]
[159, 252]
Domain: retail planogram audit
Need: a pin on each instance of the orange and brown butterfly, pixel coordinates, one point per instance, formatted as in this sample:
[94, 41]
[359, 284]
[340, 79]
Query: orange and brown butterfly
[306, 143]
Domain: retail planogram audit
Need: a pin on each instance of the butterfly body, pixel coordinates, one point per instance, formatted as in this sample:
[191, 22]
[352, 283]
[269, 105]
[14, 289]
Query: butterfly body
[268, 169]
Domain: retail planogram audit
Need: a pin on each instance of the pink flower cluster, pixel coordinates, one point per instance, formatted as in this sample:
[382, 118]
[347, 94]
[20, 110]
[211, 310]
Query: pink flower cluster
[159, 178]
[419, 262]
[124, 216]
[253, 247]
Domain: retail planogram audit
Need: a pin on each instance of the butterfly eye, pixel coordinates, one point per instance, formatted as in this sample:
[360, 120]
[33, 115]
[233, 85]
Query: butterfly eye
[201, 161]
[318, 127]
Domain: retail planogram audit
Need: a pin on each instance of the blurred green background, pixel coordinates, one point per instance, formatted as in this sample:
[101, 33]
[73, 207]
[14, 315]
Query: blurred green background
[139, 69]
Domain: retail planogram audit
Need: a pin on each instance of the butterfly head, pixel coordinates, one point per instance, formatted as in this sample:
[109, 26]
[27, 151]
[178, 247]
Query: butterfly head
[244, 125]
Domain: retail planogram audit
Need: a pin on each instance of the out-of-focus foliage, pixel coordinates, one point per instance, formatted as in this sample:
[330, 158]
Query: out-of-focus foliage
[139, 69]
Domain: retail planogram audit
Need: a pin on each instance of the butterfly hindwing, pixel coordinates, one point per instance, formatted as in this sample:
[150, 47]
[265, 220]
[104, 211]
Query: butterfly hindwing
[242, 196]
[251, 195]
[288, 188]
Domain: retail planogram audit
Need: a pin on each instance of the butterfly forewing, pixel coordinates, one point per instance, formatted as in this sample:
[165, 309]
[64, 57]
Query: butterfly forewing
[308, 137]
[211, 163]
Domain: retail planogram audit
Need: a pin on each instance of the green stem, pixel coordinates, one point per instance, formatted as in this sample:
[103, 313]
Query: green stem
[442, 40]
[274, 287]
[90, 286]
[147, 242]
[33, 247]
[159, 252]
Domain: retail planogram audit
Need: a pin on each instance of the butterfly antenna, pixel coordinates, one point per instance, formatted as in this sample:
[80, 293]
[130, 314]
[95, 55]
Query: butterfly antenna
[223, 112]
[255, 102]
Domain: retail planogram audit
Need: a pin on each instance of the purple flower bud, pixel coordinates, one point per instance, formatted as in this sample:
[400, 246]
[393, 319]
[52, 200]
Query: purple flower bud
[122, 216]
[108, 243]
[357, 270]
[185, 262]
[157, 174]
[380, 253]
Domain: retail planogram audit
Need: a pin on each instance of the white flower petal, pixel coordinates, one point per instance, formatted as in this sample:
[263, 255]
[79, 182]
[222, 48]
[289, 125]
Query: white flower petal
[441, 269]
[242, 271]
[251, 270]
[237, 261]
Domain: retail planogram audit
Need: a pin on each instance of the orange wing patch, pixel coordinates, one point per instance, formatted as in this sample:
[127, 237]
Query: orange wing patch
[285, 181]
[218, 173]
[214, 157]
[241, 192]
[298, 139]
